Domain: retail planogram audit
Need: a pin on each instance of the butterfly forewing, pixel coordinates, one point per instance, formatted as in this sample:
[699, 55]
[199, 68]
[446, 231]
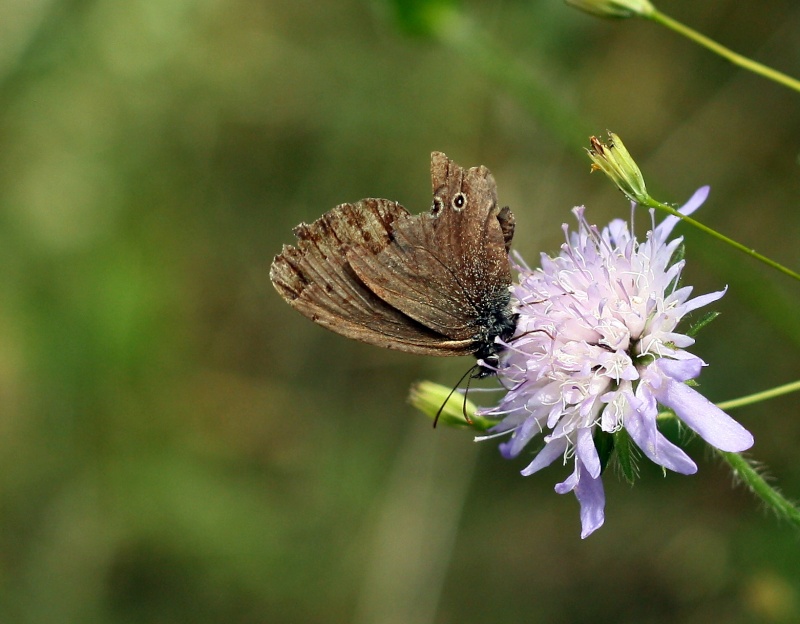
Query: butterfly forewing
[472, 236]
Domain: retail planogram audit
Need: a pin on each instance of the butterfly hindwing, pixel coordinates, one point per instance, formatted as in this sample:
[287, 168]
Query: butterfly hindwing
[315, 278]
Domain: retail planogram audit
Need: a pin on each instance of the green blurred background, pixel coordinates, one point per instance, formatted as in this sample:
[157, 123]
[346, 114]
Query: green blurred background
[178, 445]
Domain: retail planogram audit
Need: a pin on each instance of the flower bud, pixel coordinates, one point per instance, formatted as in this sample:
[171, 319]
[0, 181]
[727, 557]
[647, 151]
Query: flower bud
[614, 8]
[434, 400]
[614, 160]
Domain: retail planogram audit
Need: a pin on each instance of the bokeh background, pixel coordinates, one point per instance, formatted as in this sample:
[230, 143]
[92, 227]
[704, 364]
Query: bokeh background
[177, 445]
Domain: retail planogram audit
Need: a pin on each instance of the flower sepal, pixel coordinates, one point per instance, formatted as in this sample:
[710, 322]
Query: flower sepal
[627, 456]
[604, 443]
[701, 323]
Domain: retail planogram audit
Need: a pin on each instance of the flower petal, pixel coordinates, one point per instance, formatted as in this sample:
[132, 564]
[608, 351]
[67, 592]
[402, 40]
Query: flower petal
[521, 436]
[677, 370]
[587, 452]
[551, 451]
[642, 429]
[570, 483]
[590, 495]
[700, 301]
[592, 498]
[703, 417]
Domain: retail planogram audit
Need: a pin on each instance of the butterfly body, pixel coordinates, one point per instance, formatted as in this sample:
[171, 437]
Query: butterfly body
[436, 283]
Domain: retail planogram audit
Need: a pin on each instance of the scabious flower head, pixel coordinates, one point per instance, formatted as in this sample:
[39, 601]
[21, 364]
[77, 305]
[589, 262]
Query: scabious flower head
[597, 350]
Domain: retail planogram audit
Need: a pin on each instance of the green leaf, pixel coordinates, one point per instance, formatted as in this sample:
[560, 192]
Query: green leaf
[627, 456]
[701, 323]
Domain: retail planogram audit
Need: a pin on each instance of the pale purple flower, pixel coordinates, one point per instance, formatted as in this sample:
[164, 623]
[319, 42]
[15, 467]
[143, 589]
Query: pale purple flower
[597, 347]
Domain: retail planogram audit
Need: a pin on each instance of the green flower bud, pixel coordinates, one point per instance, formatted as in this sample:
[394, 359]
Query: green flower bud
[614, 160]
[614, 8]
[434, 400]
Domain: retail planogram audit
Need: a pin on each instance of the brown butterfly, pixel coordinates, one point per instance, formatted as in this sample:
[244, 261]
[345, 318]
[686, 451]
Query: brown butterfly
[436, 283]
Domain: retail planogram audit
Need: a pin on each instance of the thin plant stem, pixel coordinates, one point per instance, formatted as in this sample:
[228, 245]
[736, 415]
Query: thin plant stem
[735, 58]
[760, 396]
[737, 245]
[747, 473]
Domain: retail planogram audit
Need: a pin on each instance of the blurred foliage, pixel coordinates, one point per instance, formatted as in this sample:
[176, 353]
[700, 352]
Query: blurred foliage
[424, 18]
[177, 445]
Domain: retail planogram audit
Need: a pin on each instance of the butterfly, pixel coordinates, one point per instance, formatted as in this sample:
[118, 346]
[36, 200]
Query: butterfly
[436, 283]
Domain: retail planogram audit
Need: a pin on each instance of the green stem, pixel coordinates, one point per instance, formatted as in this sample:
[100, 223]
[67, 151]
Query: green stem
[700, 226]
[753, 480]
[737, 59]
[760, 396]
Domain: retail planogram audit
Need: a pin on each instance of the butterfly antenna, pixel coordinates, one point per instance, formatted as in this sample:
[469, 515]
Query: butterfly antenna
[439, 413]
[534, 331]
[466, 392]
